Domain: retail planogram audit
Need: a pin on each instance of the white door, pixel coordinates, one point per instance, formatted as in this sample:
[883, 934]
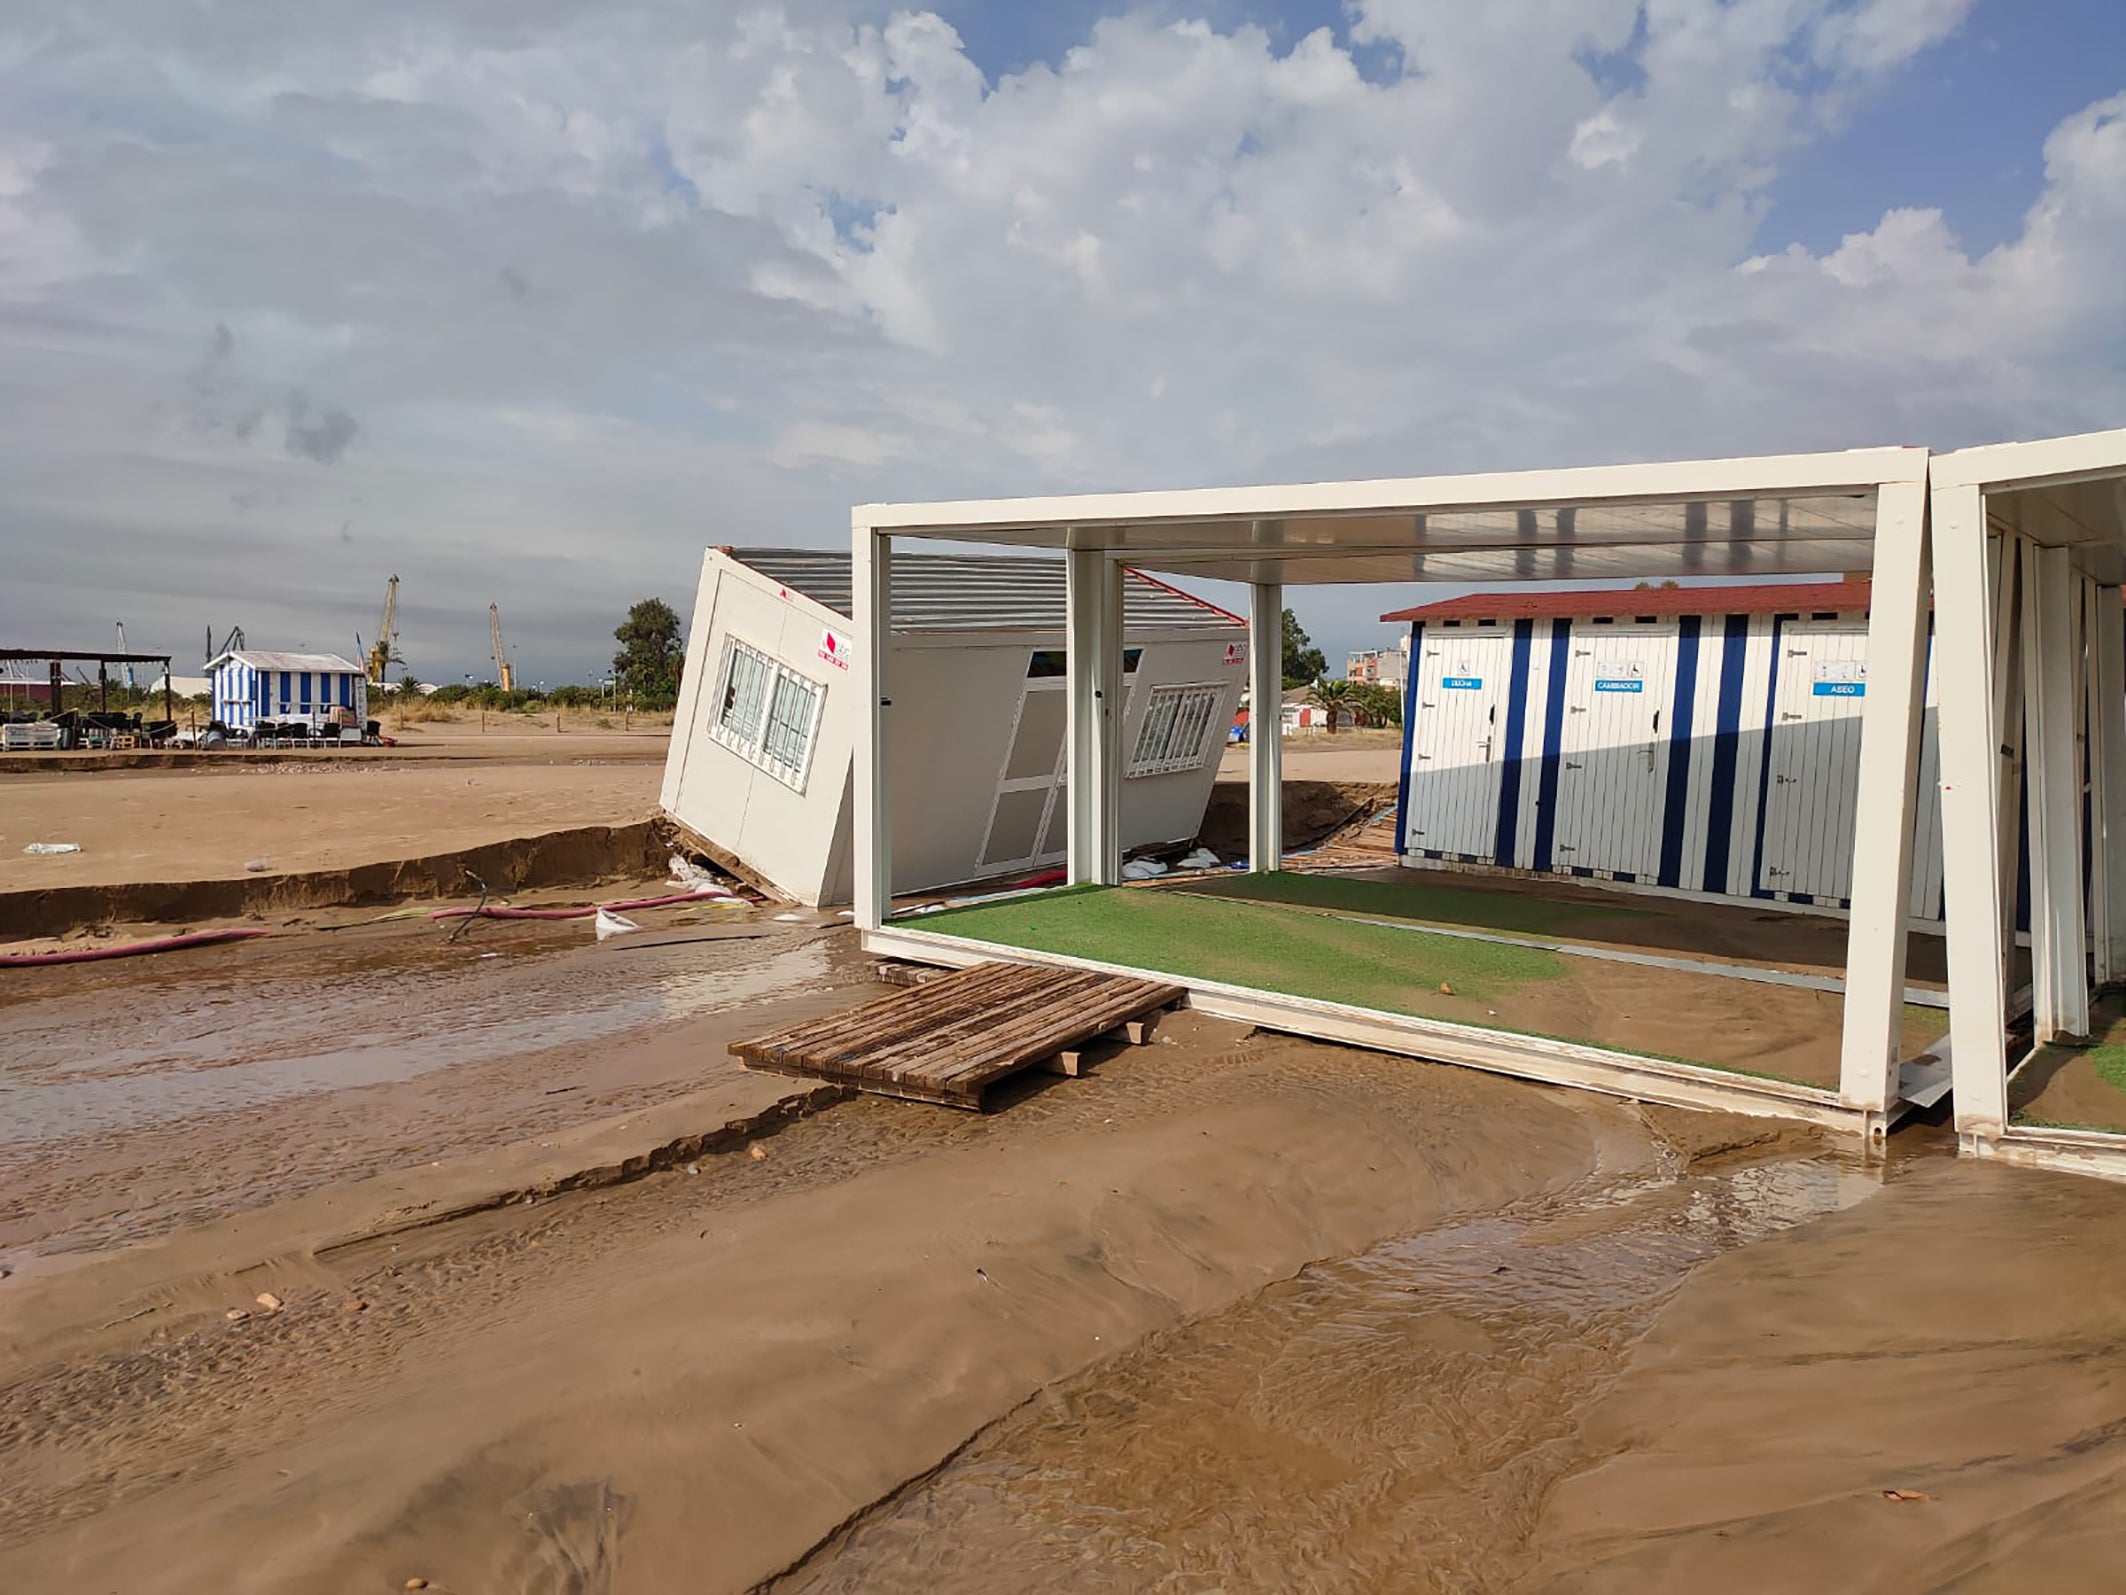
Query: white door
[1815, 755]
[1025, 825]
[1458, 743]
[1613, 765]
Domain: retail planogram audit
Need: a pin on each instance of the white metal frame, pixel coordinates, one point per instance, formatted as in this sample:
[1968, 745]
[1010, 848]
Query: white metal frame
[1258, 534]
[2032, 648]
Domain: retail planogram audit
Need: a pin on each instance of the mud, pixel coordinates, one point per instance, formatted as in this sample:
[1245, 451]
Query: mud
[137, 1099]
[1313, 811]
[1391, 1421]
[736, 1361]
[2077, 1085]
[1229, 1313]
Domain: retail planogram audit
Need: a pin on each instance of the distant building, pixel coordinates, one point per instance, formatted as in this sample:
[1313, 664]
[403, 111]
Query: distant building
[253, 684]
[1381, 667]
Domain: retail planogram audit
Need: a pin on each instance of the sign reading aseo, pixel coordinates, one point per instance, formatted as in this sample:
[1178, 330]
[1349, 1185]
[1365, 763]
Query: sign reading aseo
[835, 648]
[1619, 675]
[1236, 653]
[1840, 678]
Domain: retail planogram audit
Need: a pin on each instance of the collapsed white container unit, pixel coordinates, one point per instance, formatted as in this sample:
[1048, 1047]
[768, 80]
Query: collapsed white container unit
[1699, 740]
[768, 716]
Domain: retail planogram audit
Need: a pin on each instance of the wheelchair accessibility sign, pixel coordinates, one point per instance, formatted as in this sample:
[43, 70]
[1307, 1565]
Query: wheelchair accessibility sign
[1840, 678]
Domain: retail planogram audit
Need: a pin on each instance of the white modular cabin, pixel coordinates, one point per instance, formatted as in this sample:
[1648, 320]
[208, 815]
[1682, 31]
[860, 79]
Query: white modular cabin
[768, 716]
[1703, 740]
[254, 684]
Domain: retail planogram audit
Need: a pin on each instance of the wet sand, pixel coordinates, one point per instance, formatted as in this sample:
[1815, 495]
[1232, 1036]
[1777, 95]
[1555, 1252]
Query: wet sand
[1229, 1313]
[707, 1373]
[138, 1097]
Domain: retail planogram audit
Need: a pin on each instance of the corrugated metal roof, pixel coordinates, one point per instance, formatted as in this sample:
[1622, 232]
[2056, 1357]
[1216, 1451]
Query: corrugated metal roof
[1753, 598]
[978, 592]
[266, 659]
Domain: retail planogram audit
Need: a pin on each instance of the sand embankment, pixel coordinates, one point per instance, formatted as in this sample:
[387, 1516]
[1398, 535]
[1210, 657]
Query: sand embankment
[699, 1376]
[584, 856]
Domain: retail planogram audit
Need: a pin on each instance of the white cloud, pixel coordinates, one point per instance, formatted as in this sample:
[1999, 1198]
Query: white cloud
[586, 279]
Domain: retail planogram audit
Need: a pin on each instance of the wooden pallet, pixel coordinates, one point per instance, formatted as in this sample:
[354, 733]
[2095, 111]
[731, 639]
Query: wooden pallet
[949, 1039]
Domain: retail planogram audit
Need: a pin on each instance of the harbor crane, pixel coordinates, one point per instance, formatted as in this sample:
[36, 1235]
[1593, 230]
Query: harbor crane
[505, 678]
[385, 649]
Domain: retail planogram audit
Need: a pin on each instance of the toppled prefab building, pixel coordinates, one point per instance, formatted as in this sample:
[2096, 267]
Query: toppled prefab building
[760, 758]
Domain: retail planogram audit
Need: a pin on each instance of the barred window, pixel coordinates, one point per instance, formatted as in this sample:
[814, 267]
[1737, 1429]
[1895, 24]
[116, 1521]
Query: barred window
[1176, 730]
[766, 713]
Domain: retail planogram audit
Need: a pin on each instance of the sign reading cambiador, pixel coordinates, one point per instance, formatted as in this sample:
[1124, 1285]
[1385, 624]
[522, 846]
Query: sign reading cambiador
[1619, 675]
[1463, 682]
[1841, 678]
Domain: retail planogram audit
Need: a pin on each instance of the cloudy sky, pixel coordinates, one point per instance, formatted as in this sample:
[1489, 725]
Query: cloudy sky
[528, 300]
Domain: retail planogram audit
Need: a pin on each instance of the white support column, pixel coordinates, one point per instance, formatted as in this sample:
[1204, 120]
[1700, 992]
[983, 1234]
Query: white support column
[1093, 588]
[2107, 763]
[1265, 726]
[871, 588]
[1968, 730]
[1891, 716]
[2058, 939]
[2011, 574]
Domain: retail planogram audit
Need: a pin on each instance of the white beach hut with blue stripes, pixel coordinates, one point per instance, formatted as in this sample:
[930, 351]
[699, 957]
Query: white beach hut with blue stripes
[254, 684]
[1701, 739]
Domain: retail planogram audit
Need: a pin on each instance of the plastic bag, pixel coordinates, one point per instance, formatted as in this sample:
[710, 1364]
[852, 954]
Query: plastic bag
[53, 847]
[609, 924]
[689, 876]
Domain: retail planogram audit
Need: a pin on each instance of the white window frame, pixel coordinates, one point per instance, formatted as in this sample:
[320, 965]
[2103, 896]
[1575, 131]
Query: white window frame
[1168, 760]
[753, 746]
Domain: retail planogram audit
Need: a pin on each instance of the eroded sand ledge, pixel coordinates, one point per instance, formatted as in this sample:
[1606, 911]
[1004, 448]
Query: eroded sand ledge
[716, 1370]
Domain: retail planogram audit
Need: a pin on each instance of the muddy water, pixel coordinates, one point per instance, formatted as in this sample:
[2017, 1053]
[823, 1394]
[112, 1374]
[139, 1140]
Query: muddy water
[1391, 1421]
[222, 1036]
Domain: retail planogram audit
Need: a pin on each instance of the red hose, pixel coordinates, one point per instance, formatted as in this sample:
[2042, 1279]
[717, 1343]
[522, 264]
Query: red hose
[129, 949]
[496, 911]
[1054, 877]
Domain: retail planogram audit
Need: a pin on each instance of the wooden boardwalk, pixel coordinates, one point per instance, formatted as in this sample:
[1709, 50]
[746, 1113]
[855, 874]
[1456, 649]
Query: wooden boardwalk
[949, 1039]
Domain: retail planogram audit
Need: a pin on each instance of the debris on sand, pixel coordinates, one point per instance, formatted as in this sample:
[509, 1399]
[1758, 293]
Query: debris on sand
[757, 1152]
[46, 848]
[237, 1315]
[1906, 1495]
[268, 1300]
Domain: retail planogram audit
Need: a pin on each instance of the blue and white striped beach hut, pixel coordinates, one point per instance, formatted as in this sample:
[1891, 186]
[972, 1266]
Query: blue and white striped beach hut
[253, 684]
[1699, 740]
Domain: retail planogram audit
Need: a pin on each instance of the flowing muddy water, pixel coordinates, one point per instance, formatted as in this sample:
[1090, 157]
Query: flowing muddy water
[1390, 1421]
[138, 1097]
[210, 1039]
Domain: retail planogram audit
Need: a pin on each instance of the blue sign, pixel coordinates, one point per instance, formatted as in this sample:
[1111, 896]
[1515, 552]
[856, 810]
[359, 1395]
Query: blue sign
[1620, 686]
[1841, 689]
[1462, 683]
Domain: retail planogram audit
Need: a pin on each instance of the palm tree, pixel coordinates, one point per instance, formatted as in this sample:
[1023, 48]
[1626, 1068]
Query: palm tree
[1333, 696]
[1375, 705]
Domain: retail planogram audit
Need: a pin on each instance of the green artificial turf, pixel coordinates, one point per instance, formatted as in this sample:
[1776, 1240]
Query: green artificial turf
[1443, 905]
[1260, 945]
[2109, 1061]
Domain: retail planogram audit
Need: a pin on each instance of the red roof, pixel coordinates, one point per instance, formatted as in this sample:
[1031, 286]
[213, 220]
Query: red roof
[1753, 598]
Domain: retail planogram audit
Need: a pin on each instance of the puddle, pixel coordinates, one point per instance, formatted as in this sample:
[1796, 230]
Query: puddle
[131, 1055]
[1390, 1421]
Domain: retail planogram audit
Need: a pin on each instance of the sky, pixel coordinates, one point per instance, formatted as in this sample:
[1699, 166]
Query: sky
[527, 301]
